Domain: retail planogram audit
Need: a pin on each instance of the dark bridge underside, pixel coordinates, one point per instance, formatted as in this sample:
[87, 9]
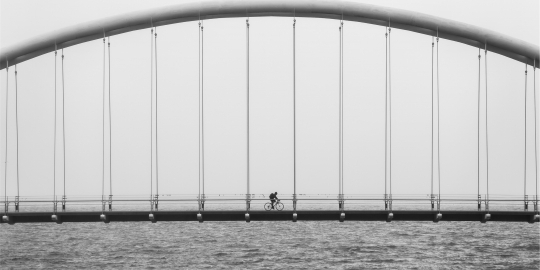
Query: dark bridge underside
[367, 215]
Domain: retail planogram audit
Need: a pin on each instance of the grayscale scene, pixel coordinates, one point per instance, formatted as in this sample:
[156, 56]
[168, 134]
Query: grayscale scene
[269, 134]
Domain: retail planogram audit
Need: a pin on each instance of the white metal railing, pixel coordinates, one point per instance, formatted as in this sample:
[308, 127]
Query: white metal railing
[306, 201]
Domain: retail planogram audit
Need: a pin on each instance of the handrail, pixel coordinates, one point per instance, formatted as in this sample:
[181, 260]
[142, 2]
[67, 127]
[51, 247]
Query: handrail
[401, 19]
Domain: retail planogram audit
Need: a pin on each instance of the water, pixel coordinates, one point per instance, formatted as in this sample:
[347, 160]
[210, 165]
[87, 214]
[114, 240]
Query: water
[271, 245]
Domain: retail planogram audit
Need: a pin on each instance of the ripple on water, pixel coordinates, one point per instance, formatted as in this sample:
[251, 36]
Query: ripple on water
[271, 245]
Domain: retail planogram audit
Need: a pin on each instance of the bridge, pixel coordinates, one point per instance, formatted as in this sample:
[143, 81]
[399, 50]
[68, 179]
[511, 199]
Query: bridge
[161, 206]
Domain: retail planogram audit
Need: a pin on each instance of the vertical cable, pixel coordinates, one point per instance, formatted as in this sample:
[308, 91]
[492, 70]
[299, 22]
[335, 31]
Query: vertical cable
[438, 129]
[157, 148]
[6, 157]
[339, 144]
[294, 107]
[17, 135]
[103, 132]
[525, 144]
[390, 111]
[478, 132]
[432, 111]
[151, 118]
[110, 126]
[342, 115]
[386, 121]
[487, 145]
[199, 56]
[202, 109]
[54, 151]
[535, 136]
[63, 132]
[247, 110]
[340, 119]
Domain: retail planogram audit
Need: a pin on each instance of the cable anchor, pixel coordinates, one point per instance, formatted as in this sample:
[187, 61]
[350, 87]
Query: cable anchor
[156, 201]
[17, 203]
[248, 202]
[479, 202]
[110, 202]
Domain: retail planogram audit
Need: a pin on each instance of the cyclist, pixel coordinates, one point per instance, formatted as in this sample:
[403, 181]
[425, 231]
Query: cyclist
[273, 198]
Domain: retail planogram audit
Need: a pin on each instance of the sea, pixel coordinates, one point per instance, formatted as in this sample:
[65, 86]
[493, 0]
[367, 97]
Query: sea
[271, 245]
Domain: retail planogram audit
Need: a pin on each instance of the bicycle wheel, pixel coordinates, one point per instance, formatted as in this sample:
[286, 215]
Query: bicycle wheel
[279, 206]
[267, 206]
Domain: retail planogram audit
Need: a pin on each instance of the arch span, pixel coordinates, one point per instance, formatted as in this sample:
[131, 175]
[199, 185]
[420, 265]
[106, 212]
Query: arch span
[407, 20]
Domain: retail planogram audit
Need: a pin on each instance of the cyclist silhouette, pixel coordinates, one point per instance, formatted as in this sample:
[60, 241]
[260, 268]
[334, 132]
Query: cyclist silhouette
[273, 198]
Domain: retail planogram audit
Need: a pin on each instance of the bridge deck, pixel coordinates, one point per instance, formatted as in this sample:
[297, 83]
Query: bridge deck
[365, 215]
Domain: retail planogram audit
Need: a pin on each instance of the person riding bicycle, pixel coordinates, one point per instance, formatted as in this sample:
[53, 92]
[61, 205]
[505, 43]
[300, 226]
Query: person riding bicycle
[273, 198]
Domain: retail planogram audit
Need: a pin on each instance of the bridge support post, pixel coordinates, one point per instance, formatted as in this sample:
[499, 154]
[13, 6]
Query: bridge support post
[248, 202]
[110, 202]
[64, 203]
[294, 202]
[341, 202]
[479, 202]
[156, 200]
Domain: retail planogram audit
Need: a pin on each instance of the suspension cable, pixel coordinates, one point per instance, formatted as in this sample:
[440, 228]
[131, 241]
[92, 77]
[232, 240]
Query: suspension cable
[340, 179]
[157, 148]
[487, 145]
[202, 110]
[103, 133]
[247, 113]
[438, 129]
[339, 144]
[535, 136]
[110, 126]
[478, 132]
[6, 207]
[342, 115]
[151, 118]
[54, 151]
[63, 135]
[525, 144]
[432, 67]
[17, 135]
[390, 110]
[199, 69]
[386, 121]
[294, 111]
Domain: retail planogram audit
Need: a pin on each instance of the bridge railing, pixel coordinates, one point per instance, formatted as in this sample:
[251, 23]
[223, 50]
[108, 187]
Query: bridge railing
[170, 202]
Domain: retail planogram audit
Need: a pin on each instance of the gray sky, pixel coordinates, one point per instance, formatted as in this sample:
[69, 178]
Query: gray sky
[271, 104]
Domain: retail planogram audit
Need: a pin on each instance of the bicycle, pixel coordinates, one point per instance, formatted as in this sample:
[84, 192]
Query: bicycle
[277, 205]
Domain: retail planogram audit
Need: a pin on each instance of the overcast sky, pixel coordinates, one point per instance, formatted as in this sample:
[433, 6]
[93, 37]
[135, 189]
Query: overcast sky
[271, 128]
